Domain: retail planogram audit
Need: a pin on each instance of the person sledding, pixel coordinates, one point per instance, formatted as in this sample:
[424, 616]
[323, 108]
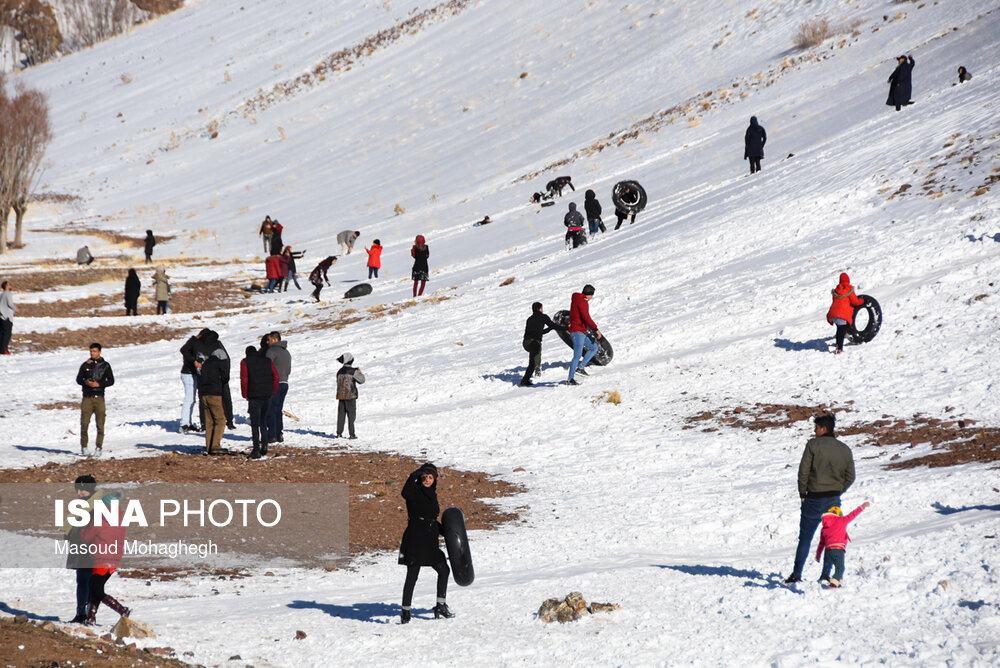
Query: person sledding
[573, 220]
[841, 311]
[833, 540]
[419, 546]
[319, 275]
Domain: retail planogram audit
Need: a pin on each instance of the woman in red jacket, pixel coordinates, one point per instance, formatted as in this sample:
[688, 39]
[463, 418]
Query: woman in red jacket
[841, 312]
[374, 259]
[109, 546]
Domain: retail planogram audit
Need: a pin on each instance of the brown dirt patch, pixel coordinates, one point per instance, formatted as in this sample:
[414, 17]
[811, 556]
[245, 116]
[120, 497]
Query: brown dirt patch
[47, 645]
[954, 441]
[111, 236]
[114, 336]
[41, 281]
[58, 405]
[378, 513]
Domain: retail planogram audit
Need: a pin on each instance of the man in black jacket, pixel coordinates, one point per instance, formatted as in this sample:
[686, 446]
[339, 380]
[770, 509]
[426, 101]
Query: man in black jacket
[258, 383]
[94, 375]
[537, 326]
[209, 343]
[753, 144]
[213, 376]
[189, 378]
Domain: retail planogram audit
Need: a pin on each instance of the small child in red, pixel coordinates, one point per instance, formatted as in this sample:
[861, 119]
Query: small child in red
[833, 538]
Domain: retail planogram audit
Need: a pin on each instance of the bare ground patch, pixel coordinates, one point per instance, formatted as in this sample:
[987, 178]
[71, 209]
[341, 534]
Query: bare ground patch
[954, 441]
[112, 336]
[111, 236]
[378, 513]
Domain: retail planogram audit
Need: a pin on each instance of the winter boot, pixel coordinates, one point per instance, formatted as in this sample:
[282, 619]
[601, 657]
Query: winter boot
[255, 454]
[441, 610]
[263, 447]
[404, 616]
[581, 371]
[92, 613]
[80, 618]
[116, 606]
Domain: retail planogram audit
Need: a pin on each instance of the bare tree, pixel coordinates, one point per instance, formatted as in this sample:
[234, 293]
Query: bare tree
[24, 134]
[93, 21]
[36, 26]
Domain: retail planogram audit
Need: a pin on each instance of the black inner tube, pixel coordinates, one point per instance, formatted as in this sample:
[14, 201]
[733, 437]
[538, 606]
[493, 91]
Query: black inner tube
[870, 313]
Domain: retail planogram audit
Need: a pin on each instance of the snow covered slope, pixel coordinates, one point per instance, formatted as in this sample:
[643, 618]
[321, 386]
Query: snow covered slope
[714, 299]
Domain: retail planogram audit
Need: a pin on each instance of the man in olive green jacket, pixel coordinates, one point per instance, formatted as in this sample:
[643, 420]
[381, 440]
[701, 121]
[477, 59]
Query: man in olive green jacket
[825, 472]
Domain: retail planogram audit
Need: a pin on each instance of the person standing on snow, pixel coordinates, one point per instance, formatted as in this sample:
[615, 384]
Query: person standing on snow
[162, 283]
[277, 351]
[109, 541]
[189, 378]
[841, 311]
[266, 231]
[573, 220]
[319, 274]
[213, 379]
[291, 272]
[753, 144]
[348, 378]
[258, 383]
[593, 209]
[536, 327]
[149, 243]
[132, 289]
[374, 259]
[826, 470]
[7, 309]
[900, 85]
[77, 559]
[273, 272]
[421, 271]
[579, 321]
[94, 375]
[276, 243]
[346, 240]
[419, 546]
[833, 539]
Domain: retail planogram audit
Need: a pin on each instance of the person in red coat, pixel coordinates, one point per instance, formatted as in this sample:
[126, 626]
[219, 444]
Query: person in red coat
[275, 273]
[834, 539]
[108, 543]
[579, 322]
[841, 312]
[374, 259]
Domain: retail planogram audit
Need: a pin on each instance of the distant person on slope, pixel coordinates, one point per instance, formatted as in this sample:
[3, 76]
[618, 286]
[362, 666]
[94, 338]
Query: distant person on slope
[841, 311]
[536, 327]
[132, 289]
[7, 309]
[149, 243]
[833, 541]
[291, 271]
[273, 271]
[573, 220]
[83, 256]
[277, 245]
[421, 272]
[162, 283]
[556, 185]
[348, 379]
[826, 470]
[593, 209]
[753, 144]
[266, 231]
[900, 86]
[319, 275]
[346, 240]
[419, 546]
[374, 259]
[579, 321]
[963, 74]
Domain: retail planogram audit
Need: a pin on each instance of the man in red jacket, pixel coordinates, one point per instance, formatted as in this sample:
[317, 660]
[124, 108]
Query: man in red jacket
[579, 321]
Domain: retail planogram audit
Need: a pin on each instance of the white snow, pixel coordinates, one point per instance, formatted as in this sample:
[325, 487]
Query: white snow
[715, 298]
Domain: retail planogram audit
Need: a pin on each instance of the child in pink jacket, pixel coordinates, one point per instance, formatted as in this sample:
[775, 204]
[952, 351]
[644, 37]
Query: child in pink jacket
[833, 538]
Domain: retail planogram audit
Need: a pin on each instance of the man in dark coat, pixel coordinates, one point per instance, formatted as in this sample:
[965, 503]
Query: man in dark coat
[213, 376]
[189, 378]
[537, 326]
[593, 209]
[150, 242]
[276, 243]
[826, 470]
[900, 87]
[573, 220]
[77, 558]
[94, 375]
[258, 383]
[347, 394]
[132, 289]
[753, 144]
[276, 350]
[419, 546]
[556, 185]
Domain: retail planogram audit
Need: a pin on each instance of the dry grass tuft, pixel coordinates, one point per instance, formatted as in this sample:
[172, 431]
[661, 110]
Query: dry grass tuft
[812, 33]
[608, 397]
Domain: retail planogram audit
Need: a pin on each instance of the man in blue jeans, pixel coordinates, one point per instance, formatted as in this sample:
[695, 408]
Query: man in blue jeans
[825, 472]
[579, 321]
[277, 352]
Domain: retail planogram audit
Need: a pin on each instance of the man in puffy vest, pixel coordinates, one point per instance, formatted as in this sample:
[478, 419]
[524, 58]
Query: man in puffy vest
[347, 393]
[579, 321]
[258, 383]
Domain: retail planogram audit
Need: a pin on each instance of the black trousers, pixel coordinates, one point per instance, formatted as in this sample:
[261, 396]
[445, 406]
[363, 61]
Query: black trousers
[131, 307]
[534, 350]
[97, 583]
[161, 307]
[411, 580]
[754, 165]
[346, 408]
[319, 288]
[257, 409]
[621, 215]
[841, 333]
[6, 330]
[83, 590]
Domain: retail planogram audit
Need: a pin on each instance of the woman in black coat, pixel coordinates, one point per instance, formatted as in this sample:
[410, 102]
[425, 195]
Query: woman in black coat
[420, 540]
[900, 86]
[132, 289]
[150, 242]
[753, 144]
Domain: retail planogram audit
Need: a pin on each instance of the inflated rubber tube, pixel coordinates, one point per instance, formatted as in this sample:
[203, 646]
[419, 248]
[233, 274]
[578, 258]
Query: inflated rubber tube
[874, 312]
[359, 290]
[605, 353]
[633, 202]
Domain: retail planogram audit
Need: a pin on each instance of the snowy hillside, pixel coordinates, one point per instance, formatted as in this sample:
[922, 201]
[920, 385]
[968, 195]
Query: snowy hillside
[333, 116]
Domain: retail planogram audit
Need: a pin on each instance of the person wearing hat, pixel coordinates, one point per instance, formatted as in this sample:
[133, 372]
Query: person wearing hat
[536, 327]
[826, 470]
[109, 541]
[833, 539]
[419, 546]
[841, 311]
[900, 84]
[85, 487]
[579, 321]
[347, 394]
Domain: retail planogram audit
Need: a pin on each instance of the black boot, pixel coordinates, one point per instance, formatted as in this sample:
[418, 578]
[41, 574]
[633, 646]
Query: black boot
[263, 447]
[255, 454]
[441, 610]
[92, 613]
[80, 618]
[116, 606]
[404, 617]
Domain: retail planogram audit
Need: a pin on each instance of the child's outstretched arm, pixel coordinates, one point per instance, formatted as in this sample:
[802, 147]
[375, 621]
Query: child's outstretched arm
[857, 511]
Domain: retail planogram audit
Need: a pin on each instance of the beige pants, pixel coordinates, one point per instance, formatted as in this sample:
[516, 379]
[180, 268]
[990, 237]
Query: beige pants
[88, 407]
[215, 422]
